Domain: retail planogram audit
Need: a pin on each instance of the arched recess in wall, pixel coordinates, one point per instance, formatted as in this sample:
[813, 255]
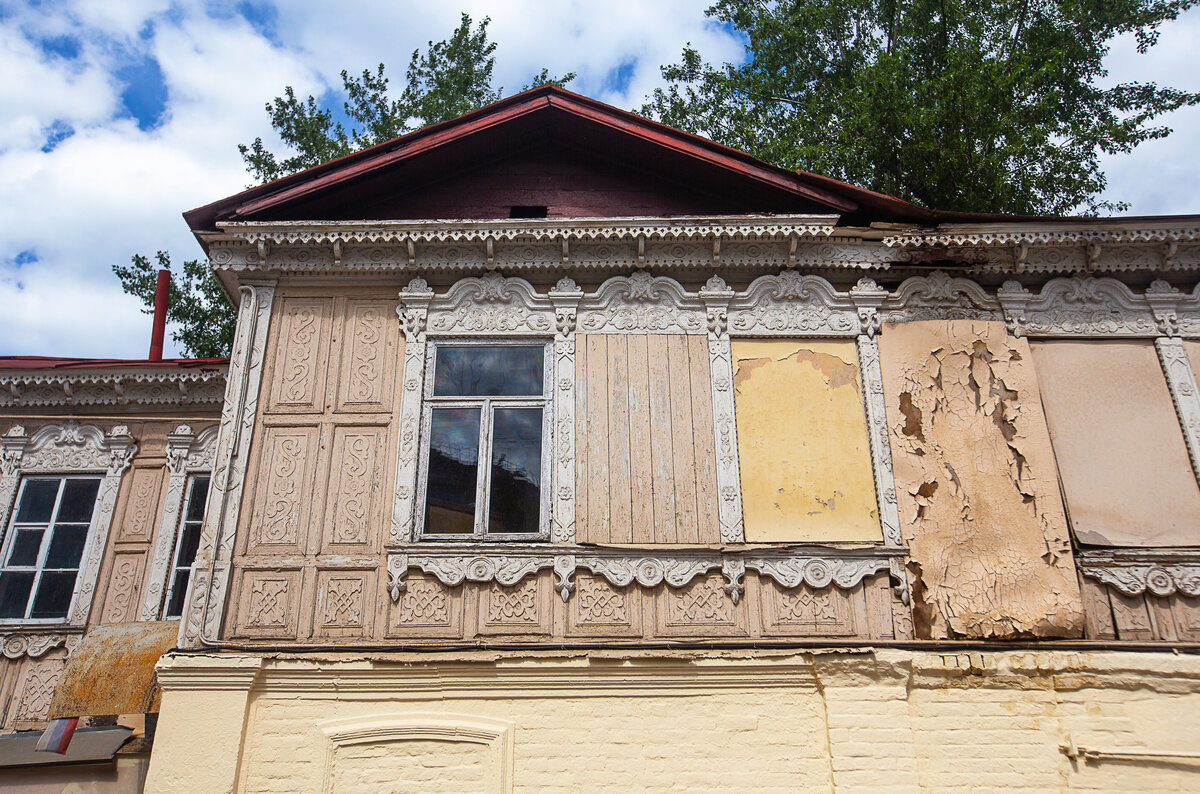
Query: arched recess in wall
[418, 751]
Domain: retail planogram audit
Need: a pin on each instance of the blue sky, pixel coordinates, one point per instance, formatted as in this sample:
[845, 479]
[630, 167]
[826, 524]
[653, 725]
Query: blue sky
[118, 115]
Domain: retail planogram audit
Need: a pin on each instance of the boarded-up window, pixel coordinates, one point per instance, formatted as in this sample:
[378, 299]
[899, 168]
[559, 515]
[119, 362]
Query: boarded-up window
[802, 442]
[644, 445]
[1120, 450]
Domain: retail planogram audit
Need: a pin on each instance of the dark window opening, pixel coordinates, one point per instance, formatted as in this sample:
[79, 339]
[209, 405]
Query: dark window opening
[527, 211]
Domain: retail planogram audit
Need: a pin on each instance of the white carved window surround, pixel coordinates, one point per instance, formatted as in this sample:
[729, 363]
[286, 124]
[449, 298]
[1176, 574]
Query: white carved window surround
[80, 453]
[493, 309]
[189, 456]
[487, 418]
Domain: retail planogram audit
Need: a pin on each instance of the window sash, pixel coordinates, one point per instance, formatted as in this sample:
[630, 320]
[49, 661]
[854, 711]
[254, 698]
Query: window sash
[49, 530]
[180, 530]
[487, 407]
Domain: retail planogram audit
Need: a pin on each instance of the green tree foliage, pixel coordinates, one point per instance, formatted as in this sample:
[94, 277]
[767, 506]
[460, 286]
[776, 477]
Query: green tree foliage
[975, 105]
[195, 304]
[450, 78]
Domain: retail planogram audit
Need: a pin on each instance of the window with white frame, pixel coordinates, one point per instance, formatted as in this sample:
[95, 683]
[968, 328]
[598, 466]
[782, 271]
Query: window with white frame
[186, 544]
[44, 546]
[486, 430]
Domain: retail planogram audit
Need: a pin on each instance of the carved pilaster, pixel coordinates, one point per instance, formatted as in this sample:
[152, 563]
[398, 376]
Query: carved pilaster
[206, 593]
[412, 311]
[1182, 383]
[881, 451]
[716, 296]
[565, 297]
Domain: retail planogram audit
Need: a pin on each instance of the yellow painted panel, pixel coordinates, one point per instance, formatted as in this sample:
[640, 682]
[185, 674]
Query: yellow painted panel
[802, 442]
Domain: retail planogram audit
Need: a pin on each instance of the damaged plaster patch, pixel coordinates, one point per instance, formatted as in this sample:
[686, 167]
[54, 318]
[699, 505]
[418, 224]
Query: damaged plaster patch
[802, 442]
[976, 483]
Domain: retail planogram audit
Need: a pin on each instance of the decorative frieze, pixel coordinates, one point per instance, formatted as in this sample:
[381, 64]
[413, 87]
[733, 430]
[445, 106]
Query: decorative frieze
[129, 386]
[1078, 306]
[1133, 572]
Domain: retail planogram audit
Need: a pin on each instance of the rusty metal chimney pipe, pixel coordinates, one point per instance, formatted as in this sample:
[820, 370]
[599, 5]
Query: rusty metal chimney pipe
[161, 294]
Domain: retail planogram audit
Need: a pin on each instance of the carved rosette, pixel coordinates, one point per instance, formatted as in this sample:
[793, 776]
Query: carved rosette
[1161, 579]
[565, 298]
[208, 588]
[792, 305]
[642, 303]
[1077, 306]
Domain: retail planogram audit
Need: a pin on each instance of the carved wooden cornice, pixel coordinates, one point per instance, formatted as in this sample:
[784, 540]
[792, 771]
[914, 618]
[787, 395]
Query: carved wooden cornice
[1136, 571]
[131, 386]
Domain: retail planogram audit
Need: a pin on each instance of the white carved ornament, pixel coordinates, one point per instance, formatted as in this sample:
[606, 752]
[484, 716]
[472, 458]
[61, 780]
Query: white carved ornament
[131, 386]
[1078, 306]
[1159, 579]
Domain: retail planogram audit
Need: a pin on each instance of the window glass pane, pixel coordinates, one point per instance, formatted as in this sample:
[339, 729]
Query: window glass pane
[25, 547]
[178, 594]
[79, 497]
[189, 541]
[195, 508]
[515, 501]
[53, 597]
[14, 593]
[488, 371]
[66, 546]
[37, 501]
[453, 469]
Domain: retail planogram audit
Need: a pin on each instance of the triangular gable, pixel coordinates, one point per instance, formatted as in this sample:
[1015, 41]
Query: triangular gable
[547, 147]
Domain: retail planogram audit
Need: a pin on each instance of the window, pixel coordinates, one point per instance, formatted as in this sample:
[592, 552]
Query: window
[486, 420]
[44, 546]
[185, 547]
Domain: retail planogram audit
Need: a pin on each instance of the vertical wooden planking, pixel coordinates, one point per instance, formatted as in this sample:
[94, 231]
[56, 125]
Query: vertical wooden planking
[640, 476]
[681, 439]
[582, 436]
[662, 471]
[597, 397]
[707, 522]
[619, 499]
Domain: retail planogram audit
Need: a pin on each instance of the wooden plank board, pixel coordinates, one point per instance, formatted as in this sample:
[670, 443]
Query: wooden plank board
[597, 397]
[619, 501]
[681, 440]
[708, 525]
[640, 475]
[662, 453]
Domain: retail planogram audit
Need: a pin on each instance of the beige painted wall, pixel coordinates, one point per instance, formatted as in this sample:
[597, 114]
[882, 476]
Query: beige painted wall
[887, 720]
[1120, 450]
[975, 483]
[802, 442]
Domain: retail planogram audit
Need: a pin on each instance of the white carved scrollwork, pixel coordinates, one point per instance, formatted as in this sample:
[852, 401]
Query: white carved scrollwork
[209, 582]
[792, 305]
[817, 572]
[35, 644]
[644, 304]
[113, 386]
[491, 304]
[939, 297]
[1077, 306]
[1181, 382]
[1159, 580]
[565, 298]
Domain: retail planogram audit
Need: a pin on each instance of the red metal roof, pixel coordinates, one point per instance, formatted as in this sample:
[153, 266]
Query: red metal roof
[548, 113]
[55, 362]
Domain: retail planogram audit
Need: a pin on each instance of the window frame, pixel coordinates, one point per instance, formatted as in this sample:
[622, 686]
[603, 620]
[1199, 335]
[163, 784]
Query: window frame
[11, 531]
[173, 569]
[487, 406]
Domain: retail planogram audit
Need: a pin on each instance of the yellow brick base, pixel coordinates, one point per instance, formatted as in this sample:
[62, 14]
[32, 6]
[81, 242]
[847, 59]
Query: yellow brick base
[885, 720]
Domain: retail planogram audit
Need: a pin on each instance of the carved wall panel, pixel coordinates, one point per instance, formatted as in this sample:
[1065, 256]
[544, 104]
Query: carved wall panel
[427, 608]
[354, 514]
[142, 505]
[34, 691]
[285, 490]
[1114, 614]
[268, 604]
[301, 354]
[646, 463]
[124, 588]
[367, 373]
[700, 608]
[599, 608]
[345, 603]
[523, 608]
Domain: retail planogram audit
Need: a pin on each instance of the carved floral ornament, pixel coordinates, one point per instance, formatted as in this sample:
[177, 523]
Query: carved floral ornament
[141, 386]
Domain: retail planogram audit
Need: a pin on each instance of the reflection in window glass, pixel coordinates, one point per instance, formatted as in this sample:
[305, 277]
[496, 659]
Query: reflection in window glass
[488, 371]
[453, 471]
[45, 545]
[515, 498]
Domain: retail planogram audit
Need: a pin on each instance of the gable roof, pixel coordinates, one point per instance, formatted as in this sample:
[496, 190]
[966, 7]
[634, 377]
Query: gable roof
[548, 115]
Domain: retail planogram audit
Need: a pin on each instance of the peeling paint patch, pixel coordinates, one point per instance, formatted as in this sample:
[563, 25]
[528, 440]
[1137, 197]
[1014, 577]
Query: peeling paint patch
[802, 442]
[976, 484]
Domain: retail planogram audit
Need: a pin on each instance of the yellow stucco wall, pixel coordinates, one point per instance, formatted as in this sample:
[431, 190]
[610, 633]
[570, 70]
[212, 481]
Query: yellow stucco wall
[888, 720]
[802, 441]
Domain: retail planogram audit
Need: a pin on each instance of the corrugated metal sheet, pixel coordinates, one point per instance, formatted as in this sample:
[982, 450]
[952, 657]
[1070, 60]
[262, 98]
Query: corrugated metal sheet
[112, 670]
